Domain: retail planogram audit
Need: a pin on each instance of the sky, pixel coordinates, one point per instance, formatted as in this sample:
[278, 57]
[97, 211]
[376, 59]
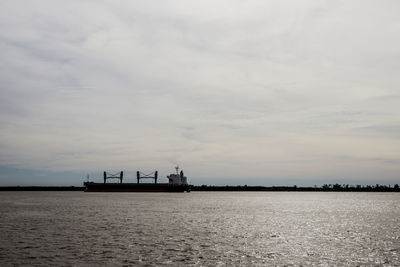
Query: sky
[235, 92]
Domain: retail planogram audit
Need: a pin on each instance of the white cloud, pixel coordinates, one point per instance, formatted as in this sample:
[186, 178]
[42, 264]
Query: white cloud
[261, 88]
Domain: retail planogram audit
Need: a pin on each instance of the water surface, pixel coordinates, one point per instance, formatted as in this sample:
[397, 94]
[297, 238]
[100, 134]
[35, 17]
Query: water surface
[199, 228]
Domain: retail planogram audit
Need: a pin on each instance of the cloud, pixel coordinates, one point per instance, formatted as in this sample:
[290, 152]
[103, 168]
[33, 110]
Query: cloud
[285, 89]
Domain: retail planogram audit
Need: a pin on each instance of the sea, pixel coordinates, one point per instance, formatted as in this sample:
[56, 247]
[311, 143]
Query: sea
[199, 229]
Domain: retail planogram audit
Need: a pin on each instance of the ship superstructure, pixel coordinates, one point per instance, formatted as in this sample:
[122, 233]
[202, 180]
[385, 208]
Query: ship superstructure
[178, 178]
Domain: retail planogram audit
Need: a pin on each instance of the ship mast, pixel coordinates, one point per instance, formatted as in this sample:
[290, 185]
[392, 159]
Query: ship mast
[177, 170]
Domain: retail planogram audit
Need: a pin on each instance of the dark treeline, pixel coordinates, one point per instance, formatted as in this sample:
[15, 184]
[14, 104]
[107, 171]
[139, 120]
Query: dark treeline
[325, 187]
[41, 188]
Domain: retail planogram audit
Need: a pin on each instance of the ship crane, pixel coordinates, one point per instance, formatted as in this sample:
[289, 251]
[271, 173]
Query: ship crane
[118, 175]
[141, 175]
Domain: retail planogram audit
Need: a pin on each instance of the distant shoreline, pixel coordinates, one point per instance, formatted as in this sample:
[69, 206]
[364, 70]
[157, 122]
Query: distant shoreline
[324, 188]
[42, 188]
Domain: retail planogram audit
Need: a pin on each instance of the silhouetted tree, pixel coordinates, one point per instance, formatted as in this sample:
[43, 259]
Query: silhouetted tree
[337, 186]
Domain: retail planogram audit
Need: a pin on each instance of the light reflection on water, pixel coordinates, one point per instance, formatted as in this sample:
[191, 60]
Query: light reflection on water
[201, 228]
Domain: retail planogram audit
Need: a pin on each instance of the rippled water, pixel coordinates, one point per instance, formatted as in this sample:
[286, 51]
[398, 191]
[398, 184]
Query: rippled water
[200, 228]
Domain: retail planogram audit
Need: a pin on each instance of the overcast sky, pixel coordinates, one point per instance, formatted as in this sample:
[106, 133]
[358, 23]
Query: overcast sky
[229, 89]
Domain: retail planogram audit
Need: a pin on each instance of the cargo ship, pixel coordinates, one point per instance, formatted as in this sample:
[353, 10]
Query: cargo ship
[177, 182]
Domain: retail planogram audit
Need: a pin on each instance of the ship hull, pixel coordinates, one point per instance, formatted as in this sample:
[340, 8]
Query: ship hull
[134, 187]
